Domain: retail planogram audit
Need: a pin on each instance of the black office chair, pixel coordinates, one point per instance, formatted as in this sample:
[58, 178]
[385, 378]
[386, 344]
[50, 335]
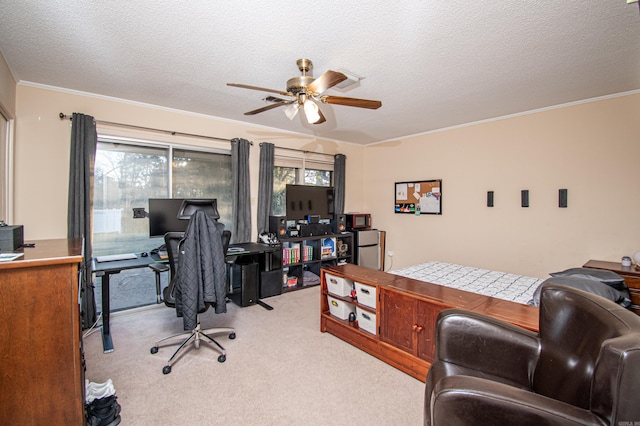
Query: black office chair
[173, 242]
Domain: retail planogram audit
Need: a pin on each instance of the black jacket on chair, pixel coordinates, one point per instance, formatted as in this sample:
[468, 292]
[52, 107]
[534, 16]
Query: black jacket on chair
[201, 272]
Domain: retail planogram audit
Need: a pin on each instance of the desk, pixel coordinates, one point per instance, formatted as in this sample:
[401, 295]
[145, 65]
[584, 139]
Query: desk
[104, 270]
[260, 254]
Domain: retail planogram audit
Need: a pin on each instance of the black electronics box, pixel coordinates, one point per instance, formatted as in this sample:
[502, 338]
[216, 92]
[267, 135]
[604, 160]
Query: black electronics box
[313, 229]
[11, 237]
[270, 283]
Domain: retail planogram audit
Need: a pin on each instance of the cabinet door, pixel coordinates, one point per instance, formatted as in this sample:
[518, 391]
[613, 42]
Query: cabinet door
[427, 315]
[398, 316]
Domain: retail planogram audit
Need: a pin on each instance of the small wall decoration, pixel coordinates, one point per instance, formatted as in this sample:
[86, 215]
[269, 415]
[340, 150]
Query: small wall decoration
[419, 197]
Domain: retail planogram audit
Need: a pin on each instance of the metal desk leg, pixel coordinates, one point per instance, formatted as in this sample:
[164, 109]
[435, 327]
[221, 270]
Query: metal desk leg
[107, 342]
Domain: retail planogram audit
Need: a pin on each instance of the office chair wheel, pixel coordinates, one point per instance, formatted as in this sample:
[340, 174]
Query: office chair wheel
[154, 350]
[166, 369]
[232, 336]
[222, 358]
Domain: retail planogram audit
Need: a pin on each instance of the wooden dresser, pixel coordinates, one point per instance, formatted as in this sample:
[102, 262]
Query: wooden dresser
[630, 274]
[41, 371]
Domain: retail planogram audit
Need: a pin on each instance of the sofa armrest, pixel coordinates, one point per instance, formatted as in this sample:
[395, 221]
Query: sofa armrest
[464, 400]
[482, 343]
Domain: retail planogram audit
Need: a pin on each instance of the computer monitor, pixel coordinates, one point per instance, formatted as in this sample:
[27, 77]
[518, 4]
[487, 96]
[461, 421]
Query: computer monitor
[172, 214]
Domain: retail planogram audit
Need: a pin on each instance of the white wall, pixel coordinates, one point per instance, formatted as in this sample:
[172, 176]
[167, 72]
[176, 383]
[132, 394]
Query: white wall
[592, 149]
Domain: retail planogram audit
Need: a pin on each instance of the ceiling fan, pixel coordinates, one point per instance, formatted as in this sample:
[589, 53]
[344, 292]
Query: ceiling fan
[305, 91]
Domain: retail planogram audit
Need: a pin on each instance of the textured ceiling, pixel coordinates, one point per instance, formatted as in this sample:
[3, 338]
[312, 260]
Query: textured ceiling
[433, 64]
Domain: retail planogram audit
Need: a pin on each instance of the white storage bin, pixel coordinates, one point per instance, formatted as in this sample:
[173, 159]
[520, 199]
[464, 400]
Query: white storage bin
[338, 285]
[340, 308]
[366, 295]
[366, 320]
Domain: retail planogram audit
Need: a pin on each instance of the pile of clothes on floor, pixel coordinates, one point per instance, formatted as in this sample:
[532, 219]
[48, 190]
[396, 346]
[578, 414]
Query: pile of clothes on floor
[101, 405]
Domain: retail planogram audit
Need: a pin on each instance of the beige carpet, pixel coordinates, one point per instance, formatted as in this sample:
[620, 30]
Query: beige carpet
[280, 370]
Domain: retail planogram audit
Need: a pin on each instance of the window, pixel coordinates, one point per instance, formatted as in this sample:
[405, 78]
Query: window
[288, 171]
[127, 174]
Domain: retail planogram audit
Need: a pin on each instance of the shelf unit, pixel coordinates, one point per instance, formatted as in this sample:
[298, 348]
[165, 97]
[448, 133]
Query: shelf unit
[301, 254]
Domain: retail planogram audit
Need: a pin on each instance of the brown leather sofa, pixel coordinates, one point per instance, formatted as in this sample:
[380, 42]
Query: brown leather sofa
[583, 367]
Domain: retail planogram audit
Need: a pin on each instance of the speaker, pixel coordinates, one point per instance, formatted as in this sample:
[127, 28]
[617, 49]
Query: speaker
[277, 225]
[524, 197]
[340, 223]
[562, 198]
[245, 282]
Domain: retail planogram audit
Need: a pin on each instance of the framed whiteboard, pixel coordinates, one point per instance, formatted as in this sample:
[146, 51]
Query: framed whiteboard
[419, 197]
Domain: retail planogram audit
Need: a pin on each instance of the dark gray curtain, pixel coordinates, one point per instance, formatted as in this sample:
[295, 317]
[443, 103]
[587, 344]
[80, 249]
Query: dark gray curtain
[241, 194]
[339, 170]
[265, 186]
[84, 139]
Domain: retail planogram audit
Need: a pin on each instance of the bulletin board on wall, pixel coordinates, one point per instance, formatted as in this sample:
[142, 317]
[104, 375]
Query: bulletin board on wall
[419, 197]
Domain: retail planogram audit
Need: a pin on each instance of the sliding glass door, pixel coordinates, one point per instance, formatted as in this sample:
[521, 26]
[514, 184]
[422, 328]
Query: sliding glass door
[127, 174]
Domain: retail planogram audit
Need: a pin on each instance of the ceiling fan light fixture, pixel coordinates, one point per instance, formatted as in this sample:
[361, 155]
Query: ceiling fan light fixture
[311, 111]
[292, 110]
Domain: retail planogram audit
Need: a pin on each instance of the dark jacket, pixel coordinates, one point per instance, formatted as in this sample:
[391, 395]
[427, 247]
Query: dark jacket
[201, 271]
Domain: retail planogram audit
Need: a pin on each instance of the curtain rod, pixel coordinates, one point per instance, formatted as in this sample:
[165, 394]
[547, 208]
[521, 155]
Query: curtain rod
[301, 150]
[170, 132]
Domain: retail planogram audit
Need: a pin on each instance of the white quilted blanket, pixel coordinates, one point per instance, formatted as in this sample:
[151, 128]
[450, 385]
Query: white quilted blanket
[502, 285]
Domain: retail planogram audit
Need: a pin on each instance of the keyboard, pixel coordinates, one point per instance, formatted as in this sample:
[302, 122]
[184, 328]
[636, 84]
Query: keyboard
[113, 257]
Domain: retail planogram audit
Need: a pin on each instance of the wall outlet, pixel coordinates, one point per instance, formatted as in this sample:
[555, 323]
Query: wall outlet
[390, 253]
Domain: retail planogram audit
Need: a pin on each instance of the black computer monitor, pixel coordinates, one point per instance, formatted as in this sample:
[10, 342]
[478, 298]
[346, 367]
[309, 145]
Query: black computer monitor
[172, 214]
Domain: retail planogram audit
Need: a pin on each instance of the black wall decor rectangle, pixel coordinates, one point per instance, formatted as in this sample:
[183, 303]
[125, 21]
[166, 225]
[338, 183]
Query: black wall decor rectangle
[489, 198]
[524, 197]
[562, 197]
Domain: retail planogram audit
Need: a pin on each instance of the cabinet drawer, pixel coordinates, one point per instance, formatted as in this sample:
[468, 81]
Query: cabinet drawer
[632, 282]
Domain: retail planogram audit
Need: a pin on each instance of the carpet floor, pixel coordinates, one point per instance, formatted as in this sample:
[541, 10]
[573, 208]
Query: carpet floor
[280, 370]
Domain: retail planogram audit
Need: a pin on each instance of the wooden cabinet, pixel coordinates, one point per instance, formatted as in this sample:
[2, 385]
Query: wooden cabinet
[300, 254]
[41, 374]
[630, 274]
[408, 323]
[406, 312]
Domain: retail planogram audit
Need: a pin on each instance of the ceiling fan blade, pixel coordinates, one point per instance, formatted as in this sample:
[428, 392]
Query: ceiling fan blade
[354, 102]
[262, 89]
[274, 99]
[267, 108]
[326, 81]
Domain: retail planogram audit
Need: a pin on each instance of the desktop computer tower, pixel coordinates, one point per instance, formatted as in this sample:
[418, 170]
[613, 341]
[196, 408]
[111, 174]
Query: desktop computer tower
[244, 282]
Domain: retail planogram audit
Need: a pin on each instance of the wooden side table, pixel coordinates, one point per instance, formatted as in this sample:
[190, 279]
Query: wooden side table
[630, 274]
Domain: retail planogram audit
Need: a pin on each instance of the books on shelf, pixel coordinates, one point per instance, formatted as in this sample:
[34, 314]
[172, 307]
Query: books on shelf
[308, 253]
[291, 254]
